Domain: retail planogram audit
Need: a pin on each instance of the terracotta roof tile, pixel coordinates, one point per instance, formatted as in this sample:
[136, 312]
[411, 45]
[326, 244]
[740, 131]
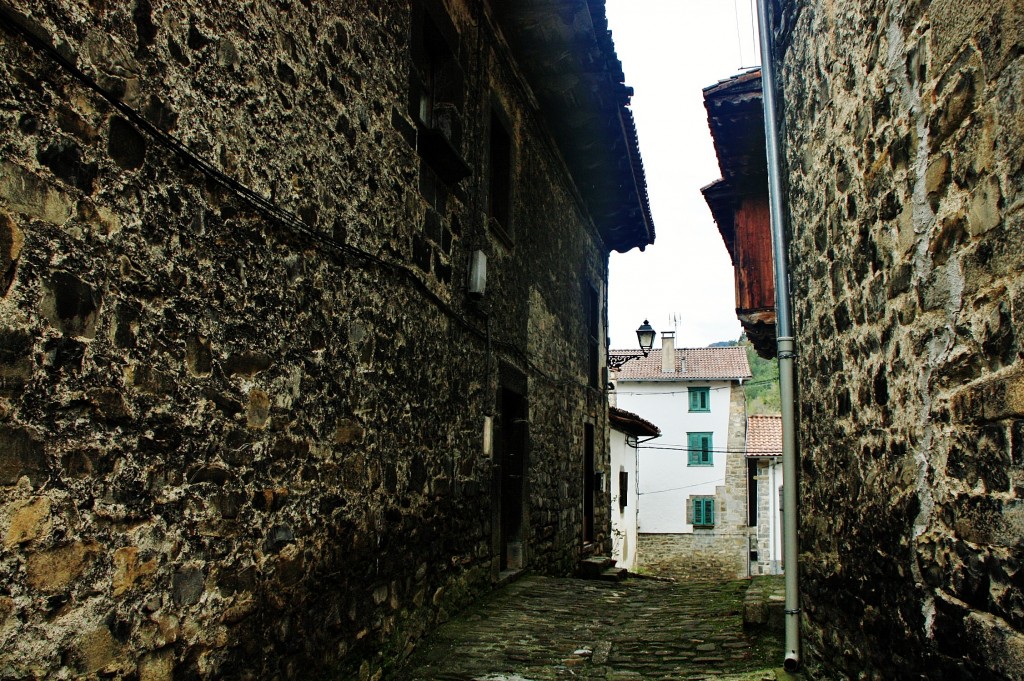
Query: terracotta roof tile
[764, 435]
[692, 364]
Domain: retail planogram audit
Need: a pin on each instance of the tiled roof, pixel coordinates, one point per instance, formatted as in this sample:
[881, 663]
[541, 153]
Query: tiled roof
[692, 364]
[764, 435]
[630, 423]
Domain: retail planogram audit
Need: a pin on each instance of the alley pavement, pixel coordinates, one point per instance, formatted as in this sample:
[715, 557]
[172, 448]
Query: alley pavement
[543, 628]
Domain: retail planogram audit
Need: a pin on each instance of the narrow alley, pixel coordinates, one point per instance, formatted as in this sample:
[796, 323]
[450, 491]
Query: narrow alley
[544, 628]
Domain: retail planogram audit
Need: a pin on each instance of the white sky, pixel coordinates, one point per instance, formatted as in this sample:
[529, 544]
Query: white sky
[670, 51]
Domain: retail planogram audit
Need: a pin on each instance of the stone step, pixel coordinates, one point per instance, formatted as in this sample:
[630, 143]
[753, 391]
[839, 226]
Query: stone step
[594, 565]
[601, 567]
[613, 574]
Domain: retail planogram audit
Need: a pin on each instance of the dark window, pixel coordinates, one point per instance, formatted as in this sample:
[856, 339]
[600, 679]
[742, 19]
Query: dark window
[436, 93]
[499, 188]
[593, 337]
[623, 490]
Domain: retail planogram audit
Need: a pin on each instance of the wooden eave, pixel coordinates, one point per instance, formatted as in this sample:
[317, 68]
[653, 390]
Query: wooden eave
[565, 50]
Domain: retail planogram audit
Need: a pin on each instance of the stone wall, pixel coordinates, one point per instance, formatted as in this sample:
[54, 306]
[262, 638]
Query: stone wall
[702, 554]
[244, 391]
[903, 137]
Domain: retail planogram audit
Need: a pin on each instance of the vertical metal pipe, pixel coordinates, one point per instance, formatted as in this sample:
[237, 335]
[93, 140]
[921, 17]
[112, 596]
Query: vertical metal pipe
[786, 345]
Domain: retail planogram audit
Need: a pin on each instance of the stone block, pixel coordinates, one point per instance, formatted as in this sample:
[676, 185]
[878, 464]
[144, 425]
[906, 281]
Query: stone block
[984, 213]
[30, 520]
[71, 305]
[257, 409]
[95, 649]
[187, 586]
[991, 399]
[26, 193]
[126, 145]
[54, 570]
[130, 569]
[157, 666]
[12, 240]
[20, 455]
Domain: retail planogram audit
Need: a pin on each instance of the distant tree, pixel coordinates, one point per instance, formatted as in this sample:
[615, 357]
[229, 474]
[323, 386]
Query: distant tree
[762, 390]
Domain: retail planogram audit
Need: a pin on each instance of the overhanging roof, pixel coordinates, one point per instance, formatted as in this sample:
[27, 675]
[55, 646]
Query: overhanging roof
[566, 52]
[736, 121]
[631, 424]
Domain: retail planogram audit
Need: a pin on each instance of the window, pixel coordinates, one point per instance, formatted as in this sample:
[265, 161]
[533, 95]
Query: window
[499, 188]
[593, 339]
[700, 449]
[700, 399]
[436, 92]
[703, 511]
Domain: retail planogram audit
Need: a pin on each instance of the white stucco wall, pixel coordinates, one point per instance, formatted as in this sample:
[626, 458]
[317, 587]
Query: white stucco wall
[624, 539]
[665, 481]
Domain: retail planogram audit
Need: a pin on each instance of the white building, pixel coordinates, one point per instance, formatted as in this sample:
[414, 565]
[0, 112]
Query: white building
[692, 481]
[627, 432]
[764, 487]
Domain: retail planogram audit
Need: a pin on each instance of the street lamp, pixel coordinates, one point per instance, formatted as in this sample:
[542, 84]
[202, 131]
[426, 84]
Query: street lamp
[645, 334]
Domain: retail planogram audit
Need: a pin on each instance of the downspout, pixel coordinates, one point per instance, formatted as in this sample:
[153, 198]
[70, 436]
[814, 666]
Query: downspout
[786, 343]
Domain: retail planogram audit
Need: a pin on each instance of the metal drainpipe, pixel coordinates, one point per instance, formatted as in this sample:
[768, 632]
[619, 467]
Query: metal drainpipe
[786, 345]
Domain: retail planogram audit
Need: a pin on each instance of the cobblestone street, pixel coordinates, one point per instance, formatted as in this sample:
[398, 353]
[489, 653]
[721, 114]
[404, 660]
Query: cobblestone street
[542, 628]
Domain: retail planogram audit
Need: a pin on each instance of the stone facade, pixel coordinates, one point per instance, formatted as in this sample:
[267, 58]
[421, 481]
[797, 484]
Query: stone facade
[903, 145]
[252, 425]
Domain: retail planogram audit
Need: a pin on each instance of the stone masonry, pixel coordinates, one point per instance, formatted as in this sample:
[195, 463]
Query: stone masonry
[250, 417]
[904, 158]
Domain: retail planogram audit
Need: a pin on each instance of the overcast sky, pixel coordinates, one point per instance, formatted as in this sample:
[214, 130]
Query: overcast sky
[670, 51]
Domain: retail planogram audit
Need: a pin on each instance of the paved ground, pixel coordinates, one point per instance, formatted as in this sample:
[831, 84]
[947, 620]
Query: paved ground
[544, 629]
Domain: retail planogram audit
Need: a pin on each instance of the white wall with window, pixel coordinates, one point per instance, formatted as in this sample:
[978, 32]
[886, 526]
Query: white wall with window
[688, 461]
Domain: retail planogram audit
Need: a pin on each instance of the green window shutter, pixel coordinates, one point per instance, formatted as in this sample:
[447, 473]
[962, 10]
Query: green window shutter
[700, 399]
[698, 511]
[709, 511]
[700, 451]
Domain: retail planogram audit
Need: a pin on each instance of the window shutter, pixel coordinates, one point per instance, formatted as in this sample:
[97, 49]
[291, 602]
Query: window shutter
[709, 511]
[698, 511]
[693, 448]
[705, 448]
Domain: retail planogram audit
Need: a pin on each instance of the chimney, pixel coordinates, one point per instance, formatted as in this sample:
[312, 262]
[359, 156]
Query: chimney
[668, 352]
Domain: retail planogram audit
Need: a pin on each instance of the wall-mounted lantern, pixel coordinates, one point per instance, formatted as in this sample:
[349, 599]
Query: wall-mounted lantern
[645, 334]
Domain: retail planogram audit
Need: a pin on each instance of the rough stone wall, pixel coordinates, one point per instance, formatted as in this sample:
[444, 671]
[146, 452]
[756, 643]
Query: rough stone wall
[241, 443]
[702, 554]
[903, 134]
